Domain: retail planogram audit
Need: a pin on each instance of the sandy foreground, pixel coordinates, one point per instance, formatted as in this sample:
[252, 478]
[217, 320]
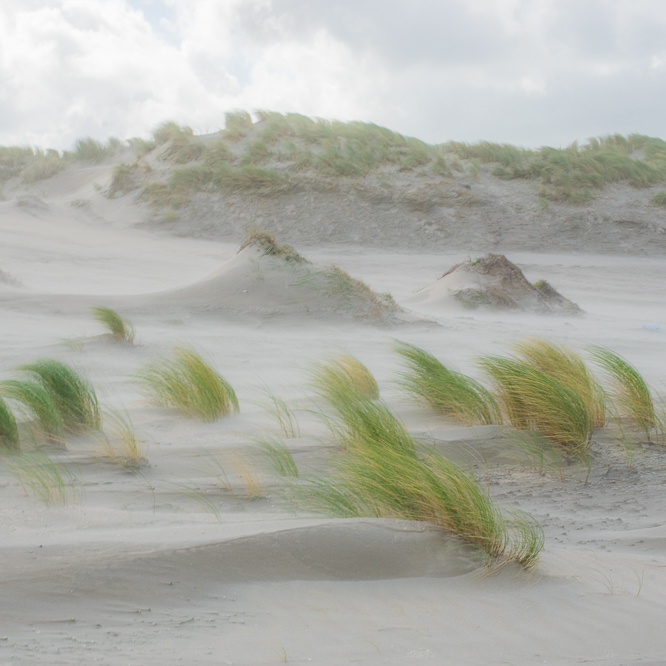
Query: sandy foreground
[167, 567]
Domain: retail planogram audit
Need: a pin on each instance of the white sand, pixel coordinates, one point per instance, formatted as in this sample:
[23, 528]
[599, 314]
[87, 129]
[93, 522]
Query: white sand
[137, 570]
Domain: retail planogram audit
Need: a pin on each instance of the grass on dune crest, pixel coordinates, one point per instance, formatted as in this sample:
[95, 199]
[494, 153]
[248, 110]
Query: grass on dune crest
[382, 474]
[568, 367]
[630, 394]
[448, 392]
[9, 436]
[342, 377]
[74, 396]
[120, 329]
[534, 400]
[188, 383]
[38, 405]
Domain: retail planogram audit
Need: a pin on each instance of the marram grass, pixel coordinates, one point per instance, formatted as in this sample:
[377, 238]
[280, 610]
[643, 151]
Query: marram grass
[279, 456]
[51, 482]
[631, 395]
[343, 376]
[73, 395]
[120, 328]
[188, 383]
[568, 367]
[448, 392]
[38, 405]
[9, 436]
[381, 474]
[534, 400]
[123, 448]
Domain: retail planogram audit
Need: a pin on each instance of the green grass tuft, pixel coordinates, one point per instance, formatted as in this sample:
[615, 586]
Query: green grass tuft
[279, 456]
[659, 199]
[54, 484]
[344, 377]
[534, 400]
[448, 392]
[630, 394]
[188, 383]
[37, 404]
[73, 395]
[120, 328]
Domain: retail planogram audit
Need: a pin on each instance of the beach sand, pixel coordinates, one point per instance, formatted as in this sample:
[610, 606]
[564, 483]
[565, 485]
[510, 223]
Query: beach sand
[168, 566]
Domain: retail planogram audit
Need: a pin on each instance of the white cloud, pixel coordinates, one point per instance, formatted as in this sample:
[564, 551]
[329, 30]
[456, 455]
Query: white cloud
[525, 71]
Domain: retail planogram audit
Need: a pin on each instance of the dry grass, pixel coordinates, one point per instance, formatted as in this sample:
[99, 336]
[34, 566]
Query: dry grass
[266, 242]
[123, 448]
[247, 475]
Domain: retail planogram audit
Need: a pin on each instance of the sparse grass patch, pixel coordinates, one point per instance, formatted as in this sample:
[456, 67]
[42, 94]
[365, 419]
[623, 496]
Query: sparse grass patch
[247, 475]
[91, 150]
[282, 414]
[51, 482]
[630, 394]
[73, 395]
[43, 165]
[9, 436]
[188, 383]
[125, 449]
[279, 455]
[659, 199]
[448, 392]
[266, 241]
[120, 329]
[343, 284]
[180, 146]
[249, 178]
[238, 124]
[123, 180]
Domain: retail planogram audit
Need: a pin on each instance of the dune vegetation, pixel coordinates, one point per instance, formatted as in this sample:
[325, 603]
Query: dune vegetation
[9, 436]
[119, 328]
[188, 383]
[343, 377]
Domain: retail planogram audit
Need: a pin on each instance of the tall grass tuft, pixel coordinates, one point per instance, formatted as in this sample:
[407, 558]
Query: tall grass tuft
[534, 400]
[120, 328]
[344, 377]
[9, 436]
[568, 367]
[188, 383]
[125, 449]
[54, 484]
[38, 405]
[383, 475]
[73, 395]
[448, 392]
[630, 393]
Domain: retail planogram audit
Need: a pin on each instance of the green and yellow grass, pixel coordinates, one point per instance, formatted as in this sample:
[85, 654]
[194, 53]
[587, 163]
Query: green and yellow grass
[448, 392]
[119, 328]
[188, 383]
[343, 377]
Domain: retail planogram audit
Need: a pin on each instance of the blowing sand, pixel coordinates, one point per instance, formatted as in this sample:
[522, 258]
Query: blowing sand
[169, 566]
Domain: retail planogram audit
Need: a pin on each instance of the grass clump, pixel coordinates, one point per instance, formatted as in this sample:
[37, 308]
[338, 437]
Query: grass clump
[342, 378]
[123, 180]
[38, 405]
[448, 392]
[342, 284]
[630, 394]
[180, 146]
[238, 124]
[9, 436]
[279, 456]
[382, 475]
[120, 329]
[188, 383]
[91, 150]
[73, 395]
[124, 449]
[43, 165]
[534, 400]
[569, 368]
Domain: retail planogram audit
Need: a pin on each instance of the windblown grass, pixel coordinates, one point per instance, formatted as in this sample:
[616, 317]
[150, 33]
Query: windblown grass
[382, 475]
[266, 241]
[238, 124]
[534, 400]
[569, 368]
[91, 150]
[344, 377]
[448, 392]
[120, 328]
[247, 475]
[630, 394]
[39, 406]
[279, 455]
[659, 199]
[283, 415]
[342, 284]
[53, 483]
[123, 180]
[179, 143]
[188, 383]
[73, 395]
[9, 436]
[124, 449]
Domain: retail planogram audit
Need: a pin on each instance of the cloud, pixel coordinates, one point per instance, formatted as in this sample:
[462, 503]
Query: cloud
[531, 72]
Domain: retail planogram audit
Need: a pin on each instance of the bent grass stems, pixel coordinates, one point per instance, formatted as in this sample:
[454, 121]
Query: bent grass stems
[279, 455]
[9, 436]
[120, 328]
[73, 395]
[125, 450]
[53, 483]
[341, 377]
[448, 392]
[188, 383]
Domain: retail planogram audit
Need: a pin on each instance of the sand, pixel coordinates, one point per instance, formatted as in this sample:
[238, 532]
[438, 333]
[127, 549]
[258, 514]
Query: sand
[168, 567]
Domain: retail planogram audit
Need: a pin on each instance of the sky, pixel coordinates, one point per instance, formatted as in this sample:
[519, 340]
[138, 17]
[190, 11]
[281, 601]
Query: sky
[526, 72]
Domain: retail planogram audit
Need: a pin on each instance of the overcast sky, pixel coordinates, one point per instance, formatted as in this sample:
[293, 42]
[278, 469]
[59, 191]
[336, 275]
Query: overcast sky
[528, 72]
